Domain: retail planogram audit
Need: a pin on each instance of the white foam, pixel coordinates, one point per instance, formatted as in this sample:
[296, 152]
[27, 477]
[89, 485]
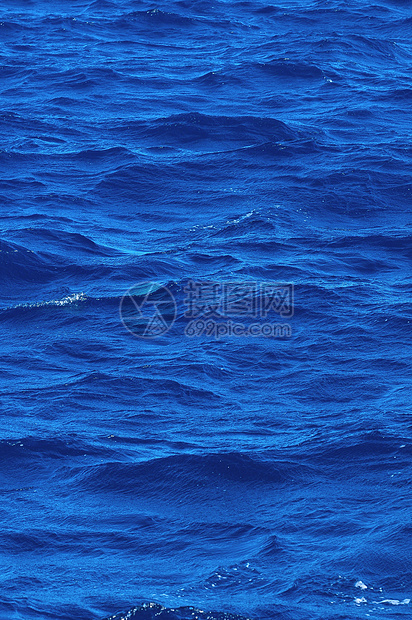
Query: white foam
[394, 601]
[70, 299]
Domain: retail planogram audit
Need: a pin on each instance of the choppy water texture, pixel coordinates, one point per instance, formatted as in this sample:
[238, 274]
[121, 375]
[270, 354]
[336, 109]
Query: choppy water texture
[219, 141]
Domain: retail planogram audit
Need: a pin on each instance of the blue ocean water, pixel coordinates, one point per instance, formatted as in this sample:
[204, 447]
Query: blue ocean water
[215, 142]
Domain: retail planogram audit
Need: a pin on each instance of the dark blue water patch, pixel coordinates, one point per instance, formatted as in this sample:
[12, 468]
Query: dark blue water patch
[396, 94]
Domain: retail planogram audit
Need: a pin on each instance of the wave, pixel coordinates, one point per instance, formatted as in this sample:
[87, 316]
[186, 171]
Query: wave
[287, 69]
[180, 474]
[149, 611]
[155, 18]
[21, 263]
[67, 241]
[194, 126]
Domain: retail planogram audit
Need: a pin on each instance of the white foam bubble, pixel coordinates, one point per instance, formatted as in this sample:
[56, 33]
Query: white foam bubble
[394, 601]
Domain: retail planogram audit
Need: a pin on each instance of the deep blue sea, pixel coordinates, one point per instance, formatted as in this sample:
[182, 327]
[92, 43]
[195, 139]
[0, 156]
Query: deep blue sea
[206, 310]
